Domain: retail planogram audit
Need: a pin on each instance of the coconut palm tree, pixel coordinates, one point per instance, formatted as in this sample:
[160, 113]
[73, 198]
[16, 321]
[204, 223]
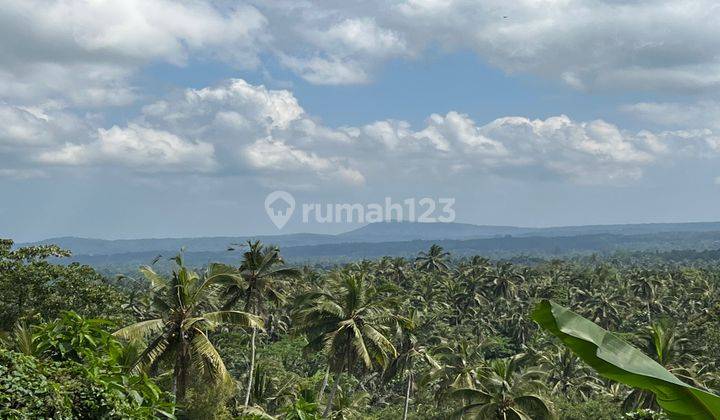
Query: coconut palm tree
[504, 279]
[459, 363]
[260, 266]
[184, 309]
[645, 286]
[409, 352]
[435, 260]
[506, 392]
[601, 307]
[567, 374]
[346, 321]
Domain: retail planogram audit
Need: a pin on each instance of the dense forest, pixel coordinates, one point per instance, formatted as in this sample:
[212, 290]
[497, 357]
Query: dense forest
[430, 337]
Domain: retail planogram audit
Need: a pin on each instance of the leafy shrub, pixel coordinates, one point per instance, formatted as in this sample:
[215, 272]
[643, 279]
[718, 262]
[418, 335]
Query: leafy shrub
[76, 372]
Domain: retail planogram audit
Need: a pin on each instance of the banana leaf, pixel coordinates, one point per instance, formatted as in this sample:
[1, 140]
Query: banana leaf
[617, 360]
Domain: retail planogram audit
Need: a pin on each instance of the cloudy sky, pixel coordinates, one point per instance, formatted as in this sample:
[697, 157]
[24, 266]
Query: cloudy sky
[147, 118]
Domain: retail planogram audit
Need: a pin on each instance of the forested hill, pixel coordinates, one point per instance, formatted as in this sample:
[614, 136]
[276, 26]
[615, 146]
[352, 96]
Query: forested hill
[502, 247]
[381, 232]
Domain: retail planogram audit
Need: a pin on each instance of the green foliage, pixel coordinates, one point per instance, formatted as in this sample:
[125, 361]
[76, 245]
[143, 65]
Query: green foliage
[301, 410]
[208, 402]
[76, 373]
[615, 359]
[72, 337]
[597, 408]
[33, 287]
[184, 310]
[28, 388]
[425, 338]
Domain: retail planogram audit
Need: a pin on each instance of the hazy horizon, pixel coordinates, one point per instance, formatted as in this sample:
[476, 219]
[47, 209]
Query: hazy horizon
[341, 231]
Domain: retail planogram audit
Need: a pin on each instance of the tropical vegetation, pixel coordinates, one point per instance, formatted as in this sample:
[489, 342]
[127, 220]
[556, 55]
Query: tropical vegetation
[431, 337]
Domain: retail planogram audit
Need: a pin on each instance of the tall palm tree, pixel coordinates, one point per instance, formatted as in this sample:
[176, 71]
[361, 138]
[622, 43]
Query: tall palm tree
[435, 260]
[184, 309]
[260, 266]
[601, 307]
[346, 322]
[409, 352]
[503, 278]
[566, 374]
[645, 285]
[397, 269]
[459, 364]
[506, 392]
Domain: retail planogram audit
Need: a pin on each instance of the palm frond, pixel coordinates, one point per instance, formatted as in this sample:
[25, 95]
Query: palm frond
[140, 330]
[156, 280]
[239, 318]
[203, 351]
[154, 350]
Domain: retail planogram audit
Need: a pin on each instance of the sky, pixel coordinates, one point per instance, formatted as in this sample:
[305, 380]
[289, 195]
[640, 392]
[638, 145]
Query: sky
[158, 118]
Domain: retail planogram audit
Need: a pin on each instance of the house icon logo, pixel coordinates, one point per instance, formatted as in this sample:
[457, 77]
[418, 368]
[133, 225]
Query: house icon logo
[279, 206]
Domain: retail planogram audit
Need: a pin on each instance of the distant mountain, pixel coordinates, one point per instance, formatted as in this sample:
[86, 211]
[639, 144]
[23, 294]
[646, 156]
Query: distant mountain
[86, 246]
[408, 231]
[502, 247]
[629, 229]
[386, 232]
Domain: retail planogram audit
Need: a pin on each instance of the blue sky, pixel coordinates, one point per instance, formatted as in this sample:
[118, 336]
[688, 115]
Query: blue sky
[157, 118]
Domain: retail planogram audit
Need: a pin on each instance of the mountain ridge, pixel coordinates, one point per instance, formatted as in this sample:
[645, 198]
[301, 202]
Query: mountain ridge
[372, 233]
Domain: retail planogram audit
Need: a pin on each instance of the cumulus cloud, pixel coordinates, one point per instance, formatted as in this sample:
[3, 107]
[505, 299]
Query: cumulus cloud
[237, 128]
[345, 52]
[86, 52]
[274, 156]
[257, 130]
[588, 44]
[140, 148]
[26, 132]
[583, 152]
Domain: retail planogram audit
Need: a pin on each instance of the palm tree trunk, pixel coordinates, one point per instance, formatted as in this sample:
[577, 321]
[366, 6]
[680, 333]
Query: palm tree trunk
[407, 395]
[180, 371]
[324, 384]
[252, 367]
[336, 386]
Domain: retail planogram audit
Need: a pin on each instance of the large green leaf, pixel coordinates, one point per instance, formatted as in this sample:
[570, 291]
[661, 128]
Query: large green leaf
[615, 359]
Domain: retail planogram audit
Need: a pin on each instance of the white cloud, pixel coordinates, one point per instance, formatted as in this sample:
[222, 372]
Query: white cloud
[699, 114]
[583, 152]
[256, 129]
[655, 44]
[236, 128]
[235, 102]
[358, 36]
[142, 149]
[326, 48]
[25, 131]
[327, 71]
[273, 156]
[588, 44]
[86, 51]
